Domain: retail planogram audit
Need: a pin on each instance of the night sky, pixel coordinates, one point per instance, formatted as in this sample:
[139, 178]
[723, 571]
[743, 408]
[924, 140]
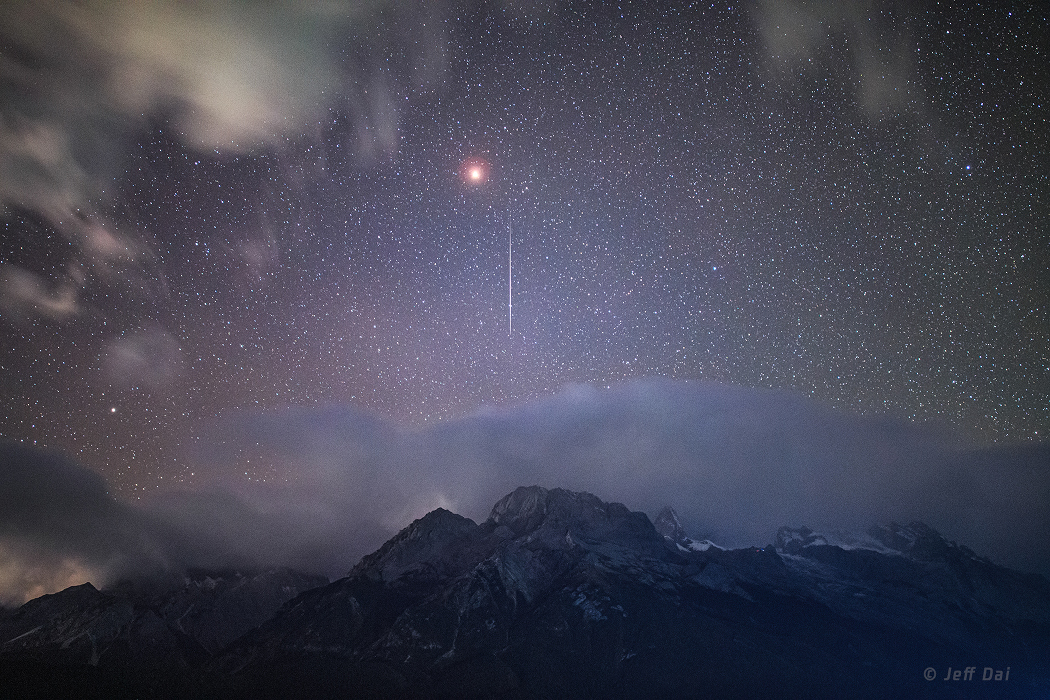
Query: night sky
[243, 207]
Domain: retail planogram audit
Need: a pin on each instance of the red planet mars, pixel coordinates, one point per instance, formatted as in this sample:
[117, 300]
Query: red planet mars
[474, 171]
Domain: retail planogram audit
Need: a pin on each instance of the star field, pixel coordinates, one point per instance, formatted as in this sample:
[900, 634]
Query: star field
[851, 204]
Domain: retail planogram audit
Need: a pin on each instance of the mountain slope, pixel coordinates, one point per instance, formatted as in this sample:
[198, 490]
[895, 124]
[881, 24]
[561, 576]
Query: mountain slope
[560, 595]
[143, 638]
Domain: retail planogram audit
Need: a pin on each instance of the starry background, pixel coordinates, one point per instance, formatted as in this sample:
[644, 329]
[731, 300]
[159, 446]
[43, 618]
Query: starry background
[844, 200]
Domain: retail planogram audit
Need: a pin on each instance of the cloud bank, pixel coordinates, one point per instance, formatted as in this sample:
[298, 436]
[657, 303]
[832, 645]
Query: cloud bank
[80, 81]
[736, 463]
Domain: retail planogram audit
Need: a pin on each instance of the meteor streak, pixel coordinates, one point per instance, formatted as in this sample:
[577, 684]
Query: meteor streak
[510, 276]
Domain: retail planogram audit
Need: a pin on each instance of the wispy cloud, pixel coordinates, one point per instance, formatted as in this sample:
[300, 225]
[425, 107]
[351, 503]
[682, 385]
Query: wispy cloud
[150, 358]
[26, 295]
[861, 43]
[81, 80]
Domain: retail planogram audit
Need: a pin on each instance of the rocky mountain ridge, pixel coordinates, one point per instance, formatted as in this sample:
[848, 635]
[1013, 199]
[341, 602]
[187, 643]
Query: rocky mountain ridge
[148, 629]
[559, 594]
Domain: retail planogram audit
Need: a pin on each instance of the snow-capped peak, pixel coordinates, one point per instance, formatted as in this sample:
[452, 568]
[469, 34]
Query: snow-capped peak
[915, 541]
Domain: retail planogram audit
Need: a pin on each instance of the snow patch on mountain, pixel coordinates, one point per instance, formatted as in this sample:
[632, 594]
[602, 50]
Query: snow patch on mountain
[668, 525]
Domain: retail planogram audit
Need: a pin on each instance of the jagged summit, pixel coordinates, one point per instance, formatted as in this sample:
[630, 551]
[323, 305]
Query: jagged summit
[522, 507]
[793, 540]
[443, 544]
[918, 541]
[428, 544]
[556, 516]
[529, 508]
[668, 525]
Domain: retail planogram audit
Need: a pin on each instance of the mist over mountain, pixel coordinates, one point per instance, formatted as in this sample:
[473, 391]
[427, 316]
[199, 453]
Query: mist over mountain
[735, 463]
[59, 526]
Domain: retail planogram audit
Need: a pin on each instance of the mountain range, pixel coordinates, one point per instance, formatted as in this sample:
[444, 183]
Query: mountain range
[558, 594]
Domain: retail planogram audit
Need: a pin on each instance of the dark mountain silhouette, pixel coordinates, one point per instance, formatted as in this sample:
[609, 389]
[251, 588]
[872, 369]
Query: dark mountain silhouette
[561, 595]
[141, 638]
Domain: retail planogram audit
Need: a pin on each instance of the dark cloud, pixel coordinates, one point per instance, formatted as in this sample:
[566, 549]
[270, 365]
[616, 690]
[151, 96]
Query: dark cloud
[737, 462]
[59, 526]
[996, 500]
